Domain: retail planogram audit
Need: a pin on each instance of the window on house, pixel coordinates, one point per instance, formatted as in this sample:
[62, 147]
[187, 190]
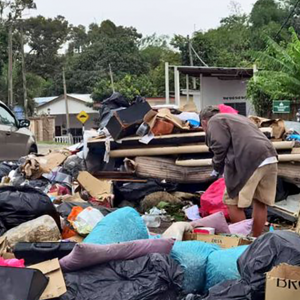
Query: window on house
[240, 107]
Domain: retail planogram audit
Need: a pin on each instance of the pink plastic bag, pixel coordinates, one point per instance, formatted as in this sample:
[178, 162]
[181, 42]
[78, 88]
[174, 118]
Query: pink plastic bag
[226, 109]
[16, 263]
[212, 200]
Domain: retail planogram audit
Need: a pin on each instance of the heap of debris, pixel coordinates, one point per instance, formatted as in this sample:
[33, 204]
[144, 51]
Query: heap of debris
[134, 213]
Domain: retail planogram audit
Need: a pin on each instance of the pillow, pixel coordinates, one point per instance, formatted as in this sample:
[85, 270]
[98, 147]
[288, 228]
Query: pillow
[216, 221]
[122, 225]
[86, 255]
[242, 228]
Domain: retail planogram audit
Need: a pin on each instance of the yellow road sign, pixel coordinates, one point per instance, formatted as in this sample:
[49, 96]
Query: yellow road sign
[82, 117]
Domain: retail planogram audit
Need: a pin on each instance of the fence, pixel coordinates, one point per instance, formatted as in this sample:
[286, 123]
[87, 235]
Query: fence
[65, 139]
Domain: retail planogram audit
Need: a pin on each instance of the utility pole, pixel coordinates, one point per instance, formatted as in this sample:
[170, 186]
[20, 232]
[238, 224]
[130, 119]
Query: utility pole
[24, 73]
[10, 68]
[111, 78]
[67, 106]
[191, 59]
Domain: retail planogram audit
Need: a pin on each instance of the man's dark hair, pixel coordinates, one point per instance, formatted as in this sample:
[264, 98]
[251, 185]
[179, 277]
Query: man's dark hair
[208, 112]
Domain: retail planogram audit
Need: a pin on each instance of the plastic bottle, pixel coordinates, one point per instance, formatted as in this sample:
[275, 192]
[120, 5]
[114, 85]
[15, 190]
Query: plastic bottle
[152, 221]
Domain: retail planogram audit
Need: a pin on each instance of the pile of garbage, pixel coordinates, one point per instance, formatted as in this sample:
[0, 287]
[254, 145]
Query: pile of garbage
[62, 237]
[99, 221]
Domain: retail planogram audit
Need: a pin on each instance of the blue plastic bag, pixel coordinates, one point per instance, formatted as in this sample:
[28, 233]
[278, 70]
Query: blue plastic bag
[192, 256]
[122, 225]
[222, 266]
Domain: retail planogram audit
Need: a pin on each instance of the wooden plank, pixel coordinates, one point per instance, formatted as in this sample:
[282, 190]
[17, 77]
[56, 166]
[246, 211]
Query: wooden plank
[194, 162]
[288, 157]
[164, 168]
[200, 148]
[289, 172]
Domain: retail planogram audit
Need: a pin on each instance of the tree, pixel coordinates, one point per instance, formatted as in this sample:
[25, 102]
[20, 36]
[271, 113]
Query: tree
[106, 45]
[129, 86]
[279, 75]
[226, 46]
[45, 38]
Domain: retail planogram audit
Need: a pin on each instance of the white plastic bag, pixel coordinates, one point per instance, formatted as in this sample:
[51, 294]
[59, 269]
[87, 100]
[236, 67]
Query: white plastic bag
[87, 220]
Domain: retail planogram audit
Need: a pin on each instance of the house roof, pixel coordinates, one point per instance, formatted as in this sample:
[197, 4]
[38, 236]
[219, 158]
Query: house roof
[40, 101]
[233, 73]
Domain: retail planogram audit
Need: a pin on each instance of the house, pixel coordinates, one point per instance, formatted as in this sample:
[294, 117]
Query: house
[56, 107]
[214, 86]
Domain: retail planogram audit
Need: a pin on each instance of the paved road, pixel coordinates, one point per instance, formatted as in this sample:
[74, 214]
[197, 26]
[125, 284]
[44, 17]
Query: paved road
[44, 148]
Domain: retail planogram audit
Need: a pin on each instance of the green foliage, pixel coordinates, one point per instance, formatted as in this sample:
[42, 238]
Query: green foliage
[45, 38]
[129, 86]
[279, 77]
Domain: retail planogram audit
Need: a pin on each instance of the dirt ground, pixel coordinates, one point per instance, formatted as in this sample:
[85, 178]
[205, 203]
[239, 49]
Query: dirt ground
[45, 148]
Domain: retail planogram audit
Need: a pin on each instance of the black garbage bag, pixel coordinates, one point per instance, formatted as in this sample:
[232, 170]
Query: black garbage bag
[151, 277]
[285, 189]
[266, 252]
[21, 204]
[108, 106]
[136, 191]
[65, 208]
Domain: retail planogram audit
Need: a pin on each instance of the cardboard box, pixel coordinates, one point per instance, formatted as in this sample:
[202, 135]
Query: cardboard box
[221, 240]
[56, 286]
[283, 282]
[99, 189]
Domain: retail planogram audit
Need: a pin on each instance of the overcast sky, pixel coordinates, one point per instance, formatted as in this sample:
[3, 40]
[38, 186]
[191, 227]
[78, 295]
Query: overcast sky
[148, 16]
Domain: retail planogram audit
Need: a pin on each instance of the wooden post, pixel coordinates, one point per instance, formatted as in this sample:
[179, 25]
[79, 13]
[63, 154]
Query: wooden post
[167, 83]
[24, 74]
[10, 69]
[191, 59]
[66, 103]
[111, 78]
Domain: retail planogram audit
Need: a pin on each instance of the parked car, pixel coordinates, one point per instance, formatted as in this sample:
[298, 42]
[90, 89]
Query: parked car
[16, 140]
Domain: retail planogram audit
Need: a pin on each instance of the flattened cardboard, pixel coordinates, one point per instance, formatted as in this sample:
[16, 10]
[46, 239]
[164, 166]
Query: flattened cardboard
[56, 286]
[36, 166]
[225, 242]
[283, 283]
[99, 189]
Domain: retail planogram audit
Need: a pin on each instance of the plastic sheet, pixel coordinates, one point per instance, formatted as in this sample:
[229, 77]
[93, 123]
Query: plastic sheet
[123, 225]
[151, 277]
[192, 256]
[222, 266]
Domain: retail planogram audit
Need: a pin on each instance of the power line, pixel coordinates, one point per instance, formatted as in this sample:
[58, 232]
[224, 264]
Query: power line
[199, 56]
[287, 19]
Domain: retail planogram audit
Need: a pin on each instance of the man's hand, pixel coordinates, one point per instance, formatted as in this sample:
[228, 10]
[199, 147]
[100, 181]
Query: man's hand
[214, 173]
